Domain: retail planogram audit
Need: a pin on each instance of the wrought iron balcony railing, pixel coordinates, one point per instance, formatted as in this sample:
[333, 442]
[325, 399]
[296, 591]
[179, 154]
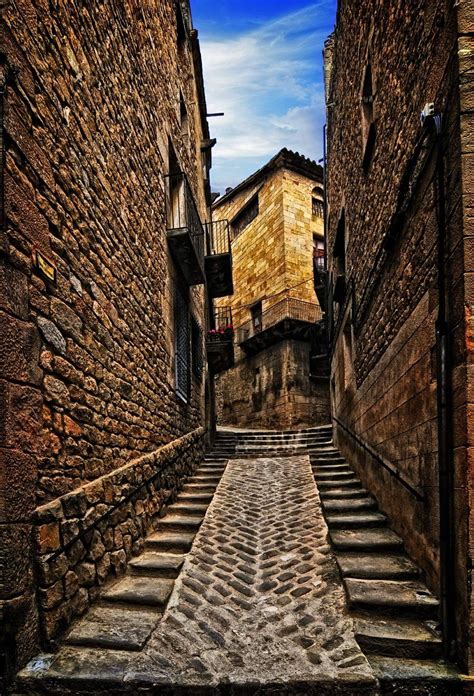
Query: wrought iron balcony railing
[185, 231]
[290, 308]
[218, 261]
[220, 341]
[218, 237]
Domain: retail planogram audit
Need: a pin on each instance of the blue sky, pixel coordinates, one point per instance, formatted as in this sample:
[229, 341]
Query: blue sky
[263, 68]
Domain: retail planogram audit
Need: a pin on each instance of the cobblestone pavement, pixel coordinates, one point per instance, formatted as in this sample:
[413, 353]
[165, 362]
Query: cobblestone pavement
[259, 605]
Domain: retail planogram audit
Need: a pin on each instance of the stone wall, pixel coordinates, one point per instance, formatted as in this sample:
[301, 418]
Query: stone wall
[273, 256]
[272, 389]
[85, 536]
[87, 380]
[384, 364]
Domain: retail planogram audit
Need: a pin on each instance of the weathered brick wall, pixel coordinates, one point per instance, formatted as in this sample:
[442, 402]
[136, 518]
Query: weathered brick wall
[272, 389]
[86, 364]
[383, 367]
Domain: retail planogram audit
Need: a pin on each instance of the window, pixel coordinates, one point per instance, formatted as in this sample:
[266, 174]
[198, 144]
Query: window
[339, 253]
[317, 202]
[256, 314]
[181, 344]
[318, 252]
[180, 24]
[245, 217]
[196, 349]
[368, 120]
[317, 208]
[183, 117]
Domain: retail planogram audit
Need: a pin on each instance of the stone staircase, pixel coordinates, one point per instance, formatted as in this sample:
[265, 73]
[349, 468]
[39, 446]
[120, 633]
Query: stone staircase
[128, 610]
[265, 443]
[395, 613]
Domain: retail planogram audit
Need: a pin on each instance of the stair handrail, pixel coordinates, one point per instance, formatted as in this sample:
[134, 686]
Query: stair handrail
[381, 460]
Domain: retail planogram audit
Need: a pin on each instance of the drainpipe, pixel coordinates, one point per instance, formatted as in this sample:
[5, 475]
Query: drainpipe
[444, 409]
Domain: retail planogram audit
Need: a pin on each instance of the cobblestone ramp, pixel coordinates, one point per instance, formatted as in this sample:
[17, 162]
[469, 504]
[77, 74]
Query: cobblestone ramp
[258, 607]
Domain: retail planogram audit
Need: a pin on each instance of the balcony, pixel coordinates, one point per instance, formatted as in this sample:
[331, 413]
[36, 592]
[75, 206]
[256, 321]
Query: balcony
[320, 281]
[218, 261]
[288, 318]
[184, 229]
[220, 341]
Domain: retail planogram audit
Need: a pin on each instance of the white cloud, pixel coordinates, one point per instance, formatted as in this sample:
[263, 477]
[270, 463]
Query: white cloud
[269, 83]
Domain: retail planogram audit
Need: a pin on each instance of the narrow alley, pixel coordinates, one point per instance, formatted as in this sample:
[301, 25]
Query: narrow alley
[238, 590]
[236, 347]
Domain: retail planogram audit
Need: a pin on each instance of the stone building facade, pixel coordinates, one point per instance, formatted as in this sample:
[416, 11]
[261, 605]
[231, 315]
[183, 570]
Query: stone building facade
[276, 228]
[102, 379]
[400, 261]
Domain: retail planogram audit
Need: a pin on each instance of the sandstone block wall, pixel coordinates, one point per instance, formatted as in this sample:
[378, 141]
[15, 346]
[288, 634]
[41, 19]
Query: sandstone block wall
[272, 389]
[273, 256]
[86, 362]
[384, 367]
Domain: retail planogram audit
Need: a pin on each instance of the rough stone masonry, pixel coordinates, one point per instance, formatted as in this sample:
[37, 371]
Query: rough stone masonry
[93, 96]
[259, 606]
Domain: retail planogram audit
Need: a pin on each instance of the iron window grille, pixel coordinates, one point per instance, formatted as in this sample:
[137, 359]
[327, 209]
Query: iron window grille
[197, 356]
[181, 345]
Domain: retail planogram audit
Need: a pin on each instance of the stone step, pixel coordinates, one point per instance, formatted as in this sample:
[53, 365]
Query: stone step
[321, 475]
[413, 676]
[329, 464]
[395, 637]
[336, 469]
[324, 484]
[142, 590]
[356, 520]
[348, 504]
[211, 467]
[163, 565]
[117, 628]
[205, 478]
[199, 487]
[338, 493]
[179, 522]
[369, 540]
[194, 497]
[392, 596]
[376, 566]
[185, 508]
[175, 542]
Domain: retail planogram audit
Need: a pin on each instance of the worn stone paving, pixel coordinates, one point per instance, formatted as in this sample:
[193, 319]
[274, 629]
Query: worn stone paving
[259, 604]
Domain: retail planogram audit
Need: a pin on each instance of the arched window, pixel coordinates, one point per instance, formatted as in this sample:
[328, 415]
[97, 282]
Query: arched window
[317, 202]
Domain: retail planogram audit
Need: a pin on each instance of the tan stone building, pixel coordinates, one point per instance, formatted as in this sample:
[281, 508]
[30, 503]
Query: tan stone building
[103, 313]
[277, 233]
[401, 279]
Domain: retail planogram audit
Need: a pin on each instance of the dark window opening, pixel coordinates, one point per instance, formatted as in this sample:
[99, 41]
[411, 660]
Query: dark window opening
[245, 217]
[256, 314]
[319, 252]
[339, 254]
[183, 117]
[317, 202]
[180, 24]
[181, 344]
[175, 203]
[317, 208]
[368, 119]
[196, 349]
